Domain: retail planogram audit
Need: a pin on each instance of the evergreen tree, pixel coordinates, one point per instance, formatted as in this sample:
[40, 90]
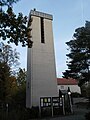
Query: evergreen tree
[79, 56]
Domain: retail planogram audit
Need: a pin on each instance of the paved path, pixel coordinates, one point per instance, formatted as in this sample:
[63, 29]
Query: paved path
[78, 115]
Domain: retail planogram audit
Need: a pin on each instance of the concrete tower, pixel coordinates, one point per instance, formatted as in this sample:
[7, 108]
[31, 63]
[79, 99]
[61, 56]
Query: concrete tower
[41, 69]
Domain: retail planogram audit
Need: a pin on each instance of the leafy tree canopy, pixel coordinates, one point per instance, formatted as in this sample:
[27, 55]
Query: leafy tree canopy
[7, 2]
[79, 56]
[13, 28]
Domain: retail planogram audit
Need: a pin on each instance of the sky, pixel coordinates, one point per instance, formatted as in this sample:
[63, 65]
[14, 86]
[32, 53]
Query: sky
[67, 16]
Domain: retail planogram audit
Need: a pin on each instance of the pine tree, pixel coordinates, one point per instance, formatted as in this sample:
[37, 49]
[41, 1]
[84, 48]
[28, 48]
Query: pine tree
[79, 56]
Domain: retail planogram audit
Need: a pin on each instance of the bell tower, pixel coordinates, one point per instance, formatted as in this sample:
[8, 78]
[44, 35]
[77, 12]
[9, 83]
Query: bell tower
[41, 69]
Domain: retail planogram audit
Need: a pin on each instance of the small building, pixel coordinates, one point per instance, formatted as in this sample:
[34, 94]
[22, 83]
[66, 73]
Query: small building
[63, 84]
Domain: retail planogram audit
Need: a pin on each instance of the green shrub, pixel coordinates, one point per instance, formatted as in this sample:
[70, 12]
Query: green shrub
[87, 116]
[76, 95]
[34, 112]
[19, 114]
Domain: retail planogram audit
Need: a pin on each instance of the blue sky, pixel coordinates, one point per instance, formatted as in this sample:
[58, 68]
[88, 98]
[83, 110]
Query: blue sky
[68, 15]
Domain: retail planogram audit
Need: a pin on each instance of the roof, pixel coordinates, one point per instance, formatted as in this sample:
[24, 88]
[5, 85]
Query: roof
[41, 14]
[64, 81]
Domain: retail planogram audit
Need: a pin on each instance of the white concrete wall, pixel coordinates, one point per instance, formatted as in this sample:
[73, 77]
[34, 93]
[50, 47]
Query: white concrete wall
[41, 64]
[73, 88]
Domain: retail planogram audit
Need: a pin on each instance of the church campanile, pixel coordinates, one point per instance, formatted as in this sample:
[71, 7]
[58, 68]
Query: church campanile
[41, 69]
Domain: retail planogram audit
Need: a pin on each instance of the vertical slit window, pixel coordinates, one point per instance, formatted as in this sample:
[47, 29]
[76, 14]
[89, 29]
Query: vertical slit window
[42, 31]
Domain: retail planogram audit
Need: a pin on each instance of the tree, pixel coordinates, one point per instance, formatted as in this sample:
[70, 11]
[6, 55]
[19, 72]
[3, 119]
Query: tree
[13, 28]
[8, 84]
[4, 76]
[21, 77]
[79, 56]
[8, 59]
[88, 91]
[9, 56]
[20, 96]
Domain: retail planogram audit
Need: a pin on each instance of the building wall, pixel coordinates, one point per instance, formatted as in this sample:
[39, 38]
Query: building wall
[41, 69]
[73, 88]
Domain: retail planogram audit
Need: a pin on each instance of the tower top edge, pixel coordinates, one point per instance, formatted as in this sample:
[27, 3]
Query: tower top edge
[41, 14]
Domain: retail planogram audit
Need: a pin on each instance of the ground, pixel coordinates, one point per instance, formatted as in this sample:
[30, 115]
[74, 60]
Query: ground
[79, 112]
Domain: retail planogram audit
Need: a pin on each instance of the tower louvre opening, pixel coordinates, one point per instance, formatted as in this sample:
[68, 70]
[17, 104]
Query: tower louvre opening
[42, 30]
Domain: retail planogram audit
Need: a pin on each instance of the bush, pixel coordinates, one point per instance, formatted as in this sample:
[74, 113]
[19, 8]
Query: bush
[19, 113]
[34, 112]
[46, 112]
[76, 95]
[16, 114]
[87, 116]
